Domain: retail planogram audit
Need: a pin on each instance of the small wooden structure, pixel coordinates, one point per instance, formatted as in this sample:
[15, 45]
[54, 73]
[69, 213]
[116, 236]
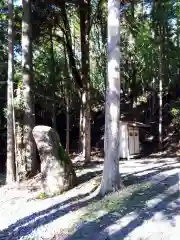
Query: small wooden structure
[129, 139]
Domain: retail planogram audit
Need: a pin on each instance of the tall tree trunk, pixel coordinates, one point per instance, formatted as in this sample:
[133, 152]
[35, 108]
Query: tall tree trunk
[111, 177]
[177, 32]
[68, 41]
[85, 113]
[103, 30]
[52, 78]
[54, 125]
[10, 168]
[163, 76]
[67, 122]
[160, 96]
[29, 150]
[158, 27]
[177, 41]
[81, 80]
[67, 98]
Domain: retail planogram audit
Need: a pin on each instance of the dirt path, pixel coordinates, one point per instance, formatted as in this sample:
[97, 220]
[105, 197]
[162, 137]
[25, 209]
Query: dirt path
[150, 199]
[148, 213]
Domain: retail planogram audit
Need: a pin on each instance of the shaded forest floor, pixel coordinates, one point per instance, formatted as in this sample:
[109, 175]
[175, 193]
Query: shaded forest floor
[149, 196]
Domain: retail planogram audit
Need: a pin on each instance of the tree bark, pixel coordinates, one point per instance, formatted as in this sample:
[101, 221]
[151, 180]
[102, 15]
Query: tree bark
[85, 113]
[29, 150]
[52, 78]
[158, 26]
[67, 98]
[177, 39]
[111, 177]
[81, 80]
[10, 168]
[67, 122]
[68, 41]
[160, 97]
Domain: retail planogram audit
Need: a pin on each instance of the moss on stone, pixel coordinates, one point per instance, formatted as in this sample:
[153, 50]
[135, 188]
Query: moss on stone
[62, 154]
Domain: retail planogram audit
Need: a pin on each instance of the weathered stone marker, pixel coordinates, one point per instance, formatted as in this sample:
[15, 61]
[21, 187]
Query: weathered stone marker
[56, 166]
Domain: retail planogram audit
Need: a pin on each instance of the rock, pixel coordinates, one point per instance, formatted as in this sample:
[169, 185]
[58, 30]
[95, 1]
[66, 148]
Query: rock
[56, 166]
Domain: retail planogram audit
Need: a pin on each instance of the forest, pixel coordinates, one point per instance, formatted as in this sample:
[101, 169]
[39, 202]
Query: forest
[71, 74]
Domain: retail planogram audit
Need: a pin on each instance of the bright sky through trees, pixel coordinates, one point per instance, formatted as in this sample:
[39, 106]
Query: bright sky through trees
[17, 2]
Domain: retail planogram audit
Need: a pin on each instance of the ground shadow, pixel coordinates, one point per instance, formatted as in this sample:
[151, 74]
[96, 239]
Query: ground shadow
[88, 176]
[28, 224]
[92, 164]
[150, 152]
[135, 203]
[131, 178]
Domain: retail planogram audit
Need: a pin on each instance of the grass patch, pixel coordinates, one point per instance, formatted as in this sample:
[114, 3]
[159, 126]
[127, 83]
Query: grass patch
[125, 200]
[43, 195]
[101, 213]
[132, 199]
[116, 201]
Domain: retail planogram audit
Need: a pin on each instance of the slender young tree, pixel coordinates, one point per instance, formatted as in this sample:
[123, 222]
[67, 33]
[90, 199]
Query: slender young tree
[10, 174]
[111, 177]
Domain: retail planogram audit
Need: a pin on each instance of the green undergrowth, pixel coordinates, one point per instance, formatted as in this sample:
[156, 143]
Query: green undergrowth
[43, 195]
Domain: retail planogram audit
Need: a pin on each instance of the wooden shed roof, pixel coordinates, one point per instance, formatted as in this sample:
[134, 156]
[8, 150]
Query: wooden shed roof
[136, 124]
